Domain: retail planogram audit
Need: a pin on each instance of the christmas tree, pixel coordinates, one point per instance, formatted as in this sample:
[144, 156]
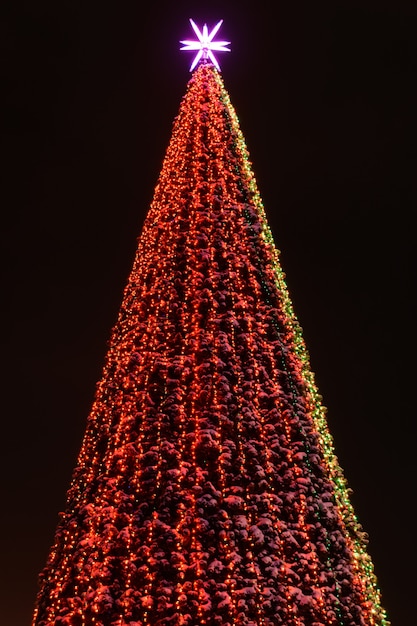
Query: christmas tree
[207, 489]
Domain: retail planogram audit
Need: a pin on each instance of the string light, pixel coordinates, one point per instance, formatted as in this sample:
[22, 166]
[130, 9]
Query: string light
[207, 489]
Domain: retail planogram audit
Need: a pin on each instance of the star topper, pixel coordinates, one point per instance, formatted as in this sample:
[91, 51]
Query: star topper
[205, 44]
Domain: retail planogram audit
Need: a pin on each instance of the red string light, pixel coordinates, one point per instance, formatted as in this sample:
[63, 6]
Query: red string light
[205, 490]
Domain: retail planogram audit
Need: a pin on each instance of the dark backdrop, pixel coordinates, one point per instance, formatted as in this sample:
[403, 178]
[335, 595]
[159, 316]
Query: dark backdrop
[326, 96]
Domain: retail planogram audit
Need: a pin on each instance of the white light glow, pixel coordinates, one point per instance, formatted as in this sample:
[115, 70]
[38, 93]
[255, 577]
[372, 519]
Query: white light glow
[205, 45]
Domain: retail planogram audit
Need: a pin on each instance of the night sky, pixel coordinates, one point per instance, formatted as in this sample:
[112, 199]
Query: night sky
[326, 96]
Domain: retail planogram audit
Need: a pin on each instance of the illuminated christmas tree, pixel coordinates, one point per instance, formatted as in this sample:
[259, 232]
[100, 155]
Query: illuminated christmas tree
[207, 489]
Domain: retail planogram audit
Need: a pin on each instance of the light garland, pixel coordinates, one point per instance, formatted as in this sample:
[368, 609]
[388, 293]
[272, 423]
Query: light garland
[207, 489]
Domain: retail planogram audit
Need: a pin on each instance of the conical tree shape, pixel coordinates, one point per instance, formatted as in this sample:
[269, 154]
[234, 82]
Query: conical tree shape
[207, 490]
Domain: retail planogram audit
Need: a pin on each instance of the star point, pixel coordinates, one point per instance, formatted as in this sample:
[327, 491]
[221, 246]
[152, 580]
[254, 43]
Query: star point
[205, 44]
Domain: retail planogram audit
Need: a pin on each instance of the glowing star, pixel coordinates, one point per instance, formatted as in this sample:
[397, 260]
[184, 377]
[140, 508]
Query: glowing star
[205, 45]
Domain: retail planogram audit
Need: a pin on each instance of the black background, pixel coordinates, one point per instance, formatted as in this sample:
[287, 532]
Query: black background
[326, 96]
